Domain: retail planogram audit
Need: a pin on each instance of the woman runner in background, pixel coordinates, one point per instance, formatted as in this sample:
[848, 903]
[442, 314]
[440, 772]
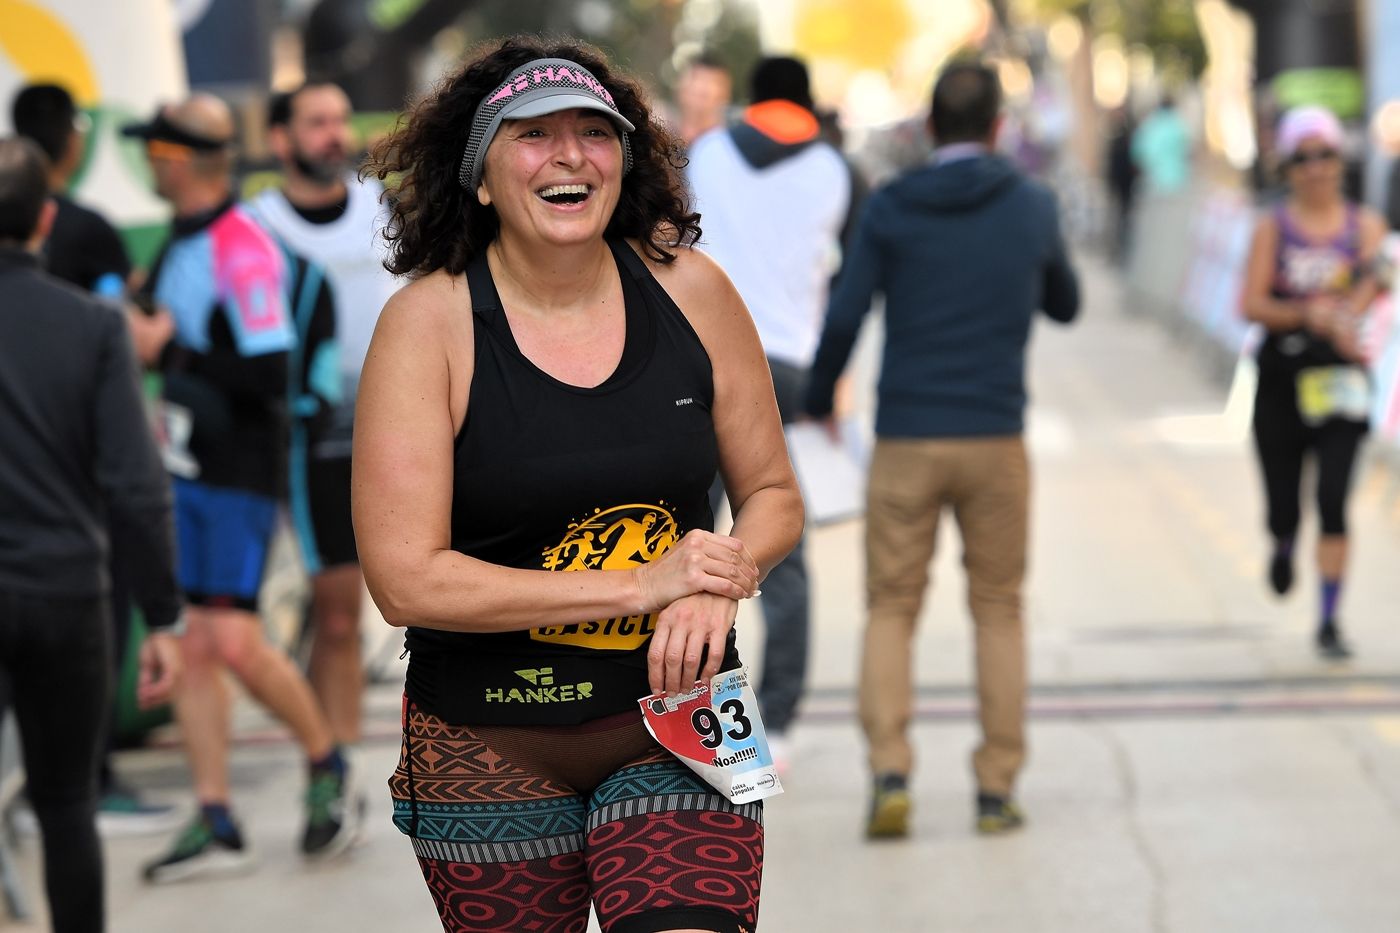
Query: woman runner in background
[1309, 283]
[562, 377]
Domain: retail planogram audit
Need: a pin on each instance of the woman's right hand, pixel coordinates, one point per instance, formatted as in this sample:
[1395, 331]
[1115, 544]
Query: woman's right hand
[702, 562]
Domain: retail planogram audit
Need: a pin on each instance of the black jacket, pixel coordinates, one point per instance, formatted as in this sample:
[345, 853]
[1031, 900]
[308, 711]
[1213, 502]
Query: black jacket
[77, 455]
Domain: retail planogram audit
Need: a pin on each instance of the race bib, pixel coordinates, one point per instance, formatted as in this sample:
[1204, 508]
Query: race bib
[175, 425]
[1327, 392]
[715, 729]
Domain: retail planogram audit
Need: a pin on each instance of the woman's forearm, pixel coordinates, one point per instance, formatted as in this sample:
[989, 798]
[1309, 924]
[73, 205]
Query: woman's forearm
[770, 522]
[1274, 313]
[453, 592]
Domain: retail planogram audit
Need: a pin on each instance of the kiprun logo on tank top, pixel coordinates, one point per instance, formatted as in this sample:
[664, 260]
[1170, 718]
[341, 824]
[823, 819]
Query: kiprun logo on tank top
[619, 538]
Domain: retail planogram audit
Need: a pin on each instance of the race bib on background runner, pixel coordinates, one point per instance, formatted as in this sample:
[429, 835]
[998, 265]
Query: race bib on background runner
[175, 427]
[1326, 392]
[716, 730]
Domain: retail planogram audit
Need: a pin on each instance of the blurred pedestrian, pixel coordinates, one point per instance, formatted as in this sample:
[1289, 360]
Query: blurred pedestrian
[84, 249]
[964, 250]
[704, 92]
[79, 460]
[333, 219]
[774, 197]
[1121, 174]
[1309, 282]
[1161, 149]
[541, 457]
[220, 335]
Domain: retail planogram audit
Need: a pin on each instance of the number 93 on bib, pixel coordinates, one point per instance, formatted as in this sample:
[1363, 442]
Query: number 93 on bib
[716, 730]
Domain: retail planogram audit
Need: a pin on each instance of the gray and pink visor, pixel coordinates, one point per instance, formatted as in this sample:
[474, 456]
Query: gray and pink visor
[545, 85]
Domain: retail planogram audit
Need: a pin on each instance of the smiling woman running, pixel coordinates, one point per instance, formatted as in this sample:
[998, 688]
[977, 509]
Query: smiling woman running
[541, 414]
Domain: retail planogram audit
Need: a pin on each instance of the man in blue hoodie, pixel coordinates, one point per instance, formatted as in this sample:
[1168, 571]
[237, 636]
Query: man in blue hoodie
[965, 251]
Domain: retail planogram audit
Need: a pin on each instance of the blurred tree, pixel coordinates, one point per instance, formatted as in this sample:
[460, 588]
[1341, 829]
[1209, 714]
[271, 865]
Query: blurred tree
[635, 33]
[640, 35]
[729, 35]
[865, 33]
[1168, 28]
[371, 46]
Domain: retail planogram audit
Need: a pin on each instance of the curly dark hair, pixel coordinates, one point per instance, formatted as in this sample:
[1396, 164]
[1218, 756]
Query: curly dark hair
[435, 223]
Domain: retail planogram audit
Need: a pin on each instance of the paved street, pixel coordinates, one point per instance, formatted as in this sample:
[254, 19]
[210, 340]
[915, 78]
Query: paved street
[1194, 767]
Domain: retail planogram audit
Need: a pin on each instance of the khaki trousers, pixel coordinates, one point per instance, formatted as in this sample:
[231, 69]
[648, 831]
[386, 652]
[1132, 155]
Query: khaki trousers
[986, 483]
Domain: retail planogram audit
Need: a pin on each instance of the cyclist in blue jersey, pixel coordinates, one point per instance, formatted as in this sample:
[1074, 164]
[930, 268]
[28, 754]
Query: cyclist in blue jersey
[221, 336]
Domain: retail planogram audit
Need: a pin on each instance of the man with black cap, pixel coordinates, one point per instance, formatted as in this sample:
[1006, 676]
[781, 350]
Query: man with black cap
[775, 197]
[223, 293]
[78, 460]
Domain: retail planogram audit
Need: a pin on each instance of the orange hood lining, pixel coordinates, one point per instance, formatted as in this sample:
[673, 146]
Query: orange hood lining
[783, 121]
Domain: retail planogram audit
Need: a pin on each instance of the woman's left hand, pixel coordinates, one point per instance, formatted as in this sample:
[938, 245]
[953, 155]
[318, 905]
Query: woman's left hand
[1346, 335]
[684, 630]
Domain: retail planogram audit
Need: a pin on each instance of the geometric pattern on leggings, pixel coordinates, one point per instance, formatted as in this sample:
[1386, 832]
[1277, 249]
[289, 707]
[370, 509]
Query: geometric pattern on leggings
[500, 849]
[515, 822]
[641, 806]
[540, 896]
[483, 852]
[450, 765]
[660, 776]
[710, 856]
[473, 806]
[657, 838]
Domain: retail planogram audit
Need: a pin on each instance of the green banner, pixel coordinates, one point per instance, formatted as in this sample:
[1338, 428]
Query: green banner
[1340, 90]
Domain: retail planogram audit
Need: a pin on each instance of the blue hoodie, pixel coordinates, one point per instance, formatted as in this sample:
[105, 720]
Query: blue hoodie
[964, 253]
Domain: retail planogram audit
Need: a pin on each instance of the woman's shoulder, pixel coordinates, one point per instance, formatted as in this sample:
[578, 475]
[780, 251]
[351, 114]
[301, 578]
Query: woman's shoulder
[431, 310]
[436, 298]
[703, 292]
[690, 273]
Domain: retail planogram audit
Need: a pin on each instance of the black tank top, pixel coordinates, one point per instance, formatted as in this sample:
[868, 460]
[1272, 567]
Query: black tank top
[551, 476]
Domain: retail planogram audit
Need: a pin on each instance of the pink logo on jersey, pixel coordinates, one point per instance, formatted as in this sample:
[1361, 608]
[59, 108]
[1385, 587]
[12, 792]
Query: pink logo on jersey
[251, 274]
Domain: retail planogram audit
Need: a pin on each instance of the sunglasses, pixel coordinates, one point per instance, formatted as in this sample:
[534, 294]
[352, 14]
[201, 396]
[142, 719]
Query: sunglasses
[1320, 155]
[172, 152]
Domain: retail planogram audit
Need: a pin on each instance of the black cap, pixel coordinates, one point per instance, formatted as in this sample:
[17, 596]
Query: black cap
[161, 128]
[780, 77]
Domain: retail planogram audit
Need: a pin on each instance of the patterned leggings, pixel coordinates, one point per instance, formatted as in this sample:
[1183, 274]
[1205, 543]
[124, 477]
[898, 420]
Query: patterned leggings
[519, 829]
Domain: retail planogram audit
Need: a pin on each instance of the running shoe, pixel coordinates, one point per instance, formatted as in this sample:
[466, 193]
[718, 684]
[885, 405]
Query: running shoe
[889, 808]
[122, 812]
[333, 813]
[1281, 572]
[199, 852]
[1330, 643]
[997, 814]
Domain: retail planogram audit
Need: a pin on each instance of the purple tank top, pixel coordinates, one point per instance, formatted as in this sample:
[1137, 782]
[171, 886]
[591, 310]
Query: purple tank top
[1304, 267]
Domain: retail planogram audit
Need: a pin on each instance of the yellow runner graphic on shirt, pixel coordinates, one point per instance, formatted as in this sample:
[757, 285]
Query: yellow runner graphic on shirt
[619, 538]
